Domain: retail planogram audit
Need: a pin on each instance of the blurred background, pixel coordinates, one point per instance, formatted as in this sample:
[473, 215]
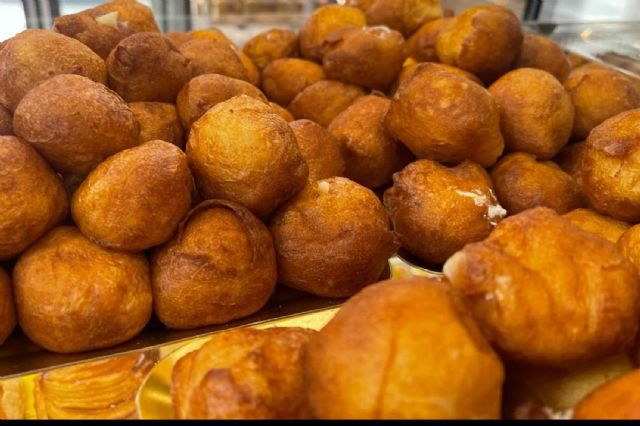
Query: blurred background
[242, 18]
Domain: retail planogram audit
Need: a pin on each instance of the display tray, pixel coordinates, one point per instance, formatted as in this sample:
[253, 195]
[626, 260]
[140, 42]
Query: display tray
[20, 357]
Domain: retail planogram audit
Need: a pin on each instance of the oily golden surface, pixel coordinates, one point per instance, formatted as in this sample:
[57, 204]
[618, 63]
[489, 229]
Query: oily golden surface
[32, 197]
[598, 94]
[371, 155]
[135, 199]
[320, 150]
[243, 374]
[178, 37]
[545, 54]
[34, 56]
[211, 56]
[618, 399]
[131, 17]
[436, 210]
[282, 112]
[370, 57]
[405, 16]
[73, 295]
[323, 100]
[7, 308]
[322, 22]
[284, 78]
[536, 113]
[208, 90]
[75, 123]
[422, 43]
[241, 150]
[445, 117]
[220, 266]
[270, 45]
[610, 165]
[253, 73]
[338, 215]
[158, 120]
[6, 122]
[547, 293]
[605, 226]
[522, 183]
[484, 40]
[403, 349]
[629, 244]
[147, 67]
[410, 66]
[104, 389]
[575, 60]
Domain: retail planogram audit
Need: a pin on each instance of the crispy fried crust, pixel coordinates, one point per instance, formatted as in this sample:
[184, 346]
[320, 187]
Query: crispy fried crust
[547, 293]
[73, 295]
[220, 266]
[403, 349]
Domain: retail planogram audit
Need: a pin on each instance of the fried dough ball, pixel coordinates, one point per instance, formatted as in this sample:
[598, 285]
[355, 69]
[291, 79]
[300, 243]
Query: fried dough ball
[253, 74]
[337, 213]
[323, 100]
[205, 91]
[322, 22]
[75, 123]
[6, 122]
[610, 165]
[101, 28]
[282, 112]
[422, 43]
[370, 154]
[243, 374]
[147, 67]
[629, 244]
[370, 57]
[605, 226]
[209, 34]
[522, 183]
[536, 113]
[284, 78]
[484, 40]
[570, 159]
[320, 150]
[220, 266]
[444, 117]
[135, 199]
[7, 309]
[405, 16]
[598, 94]
[32, 197]
[158, 121]
[71, 293]
[212, 56]
[242, 151]
[436, 210]
[618, 399]
[270, 45]
[104, 389]
[403, 349]
[34, 56]
[545, 54]
[544, 393]
[547, 293]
